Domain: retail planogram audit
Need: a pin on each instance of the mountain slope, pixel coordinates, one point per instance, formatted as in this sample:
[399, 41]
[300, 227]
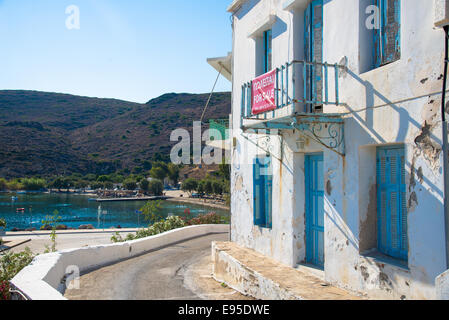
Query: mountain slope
[49, 133]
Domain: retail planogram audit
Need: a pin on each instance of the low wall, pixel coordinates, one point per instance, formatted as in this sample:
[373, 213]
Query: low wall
[43, 278]
[442, 286]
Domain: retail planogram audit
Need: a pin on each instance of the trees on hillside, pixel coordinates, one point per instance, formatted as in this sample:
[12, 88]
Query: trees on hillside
[144, 185]
[33, 184]
[208, 185]
[173, 173]
[156, 187]
[189, 185]
[130, 184]
[3, 184]
[158, 173]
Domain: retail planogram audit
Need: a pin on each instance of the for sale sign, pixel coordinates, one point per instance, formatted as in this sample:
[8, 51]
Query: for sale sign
[263, 93]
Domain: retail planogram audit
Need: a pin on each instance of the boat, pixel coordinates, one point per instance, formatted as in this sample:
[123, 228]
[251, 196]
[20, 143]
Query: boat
[20, 210]
[13, 198]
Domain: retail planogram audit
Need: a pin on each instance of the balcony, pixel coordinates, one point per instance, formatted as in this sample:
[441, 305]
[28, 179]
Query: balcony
[295, 96]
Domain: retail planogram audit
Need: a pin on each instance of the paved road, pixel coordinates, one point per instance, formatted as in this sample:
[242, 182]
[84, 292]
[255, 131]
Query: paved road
[157, 275]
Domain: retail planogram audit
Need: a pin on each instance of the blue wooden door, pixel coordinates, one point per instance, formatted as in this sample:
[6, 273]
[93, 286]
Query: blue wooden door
[314, 209]
[313, 47]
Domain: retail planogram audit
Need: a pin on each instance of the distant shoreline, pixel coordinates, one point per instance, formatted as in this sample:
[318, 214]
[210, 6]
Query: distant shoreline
[201, 202]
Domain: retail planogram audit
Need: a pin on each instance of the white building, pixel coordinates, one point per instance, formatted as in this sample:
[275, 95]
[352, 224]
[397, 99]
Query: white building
[342, 168]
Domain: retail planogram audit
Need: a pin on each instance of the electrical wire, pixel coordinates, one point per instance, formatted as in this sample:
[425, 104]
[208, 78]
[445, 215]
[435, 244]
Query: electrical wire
[211, 93]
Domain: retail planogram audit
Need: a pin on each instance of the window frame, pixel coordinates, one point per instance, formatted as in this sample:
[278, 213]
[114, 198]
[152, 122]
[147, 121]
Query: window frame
[268, 50]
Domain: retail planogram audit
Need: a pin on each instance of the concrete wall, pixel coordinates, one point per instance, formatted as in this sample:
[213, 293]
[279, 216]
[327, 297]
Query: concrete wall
[395, 104]
[42, 279]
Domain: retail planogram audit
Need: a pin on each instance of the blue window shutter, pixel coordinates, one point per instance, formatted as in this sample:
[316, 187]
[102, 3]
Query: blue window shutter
[268, 182]
[317, 50]
[258, 193]
[392, 211]
[313, 52]
[388, 38]
[308, 55]
[263, 190]
[377, 38]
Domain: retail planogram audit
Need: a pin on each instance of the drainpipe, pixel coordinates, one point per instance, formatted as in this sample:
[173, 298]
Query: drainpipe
[445, 145]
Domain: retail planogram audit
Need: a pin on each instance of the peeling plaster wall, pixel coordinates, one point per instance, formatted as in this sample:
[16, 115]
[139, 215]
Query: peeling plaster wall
[394, 104]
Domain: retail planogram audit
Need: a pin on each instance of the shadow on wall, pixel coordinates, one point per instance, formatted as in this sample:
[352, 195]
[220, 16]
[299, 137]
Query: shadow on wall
[405, 117]
[245, 8]
[366, 125]
[424, 198]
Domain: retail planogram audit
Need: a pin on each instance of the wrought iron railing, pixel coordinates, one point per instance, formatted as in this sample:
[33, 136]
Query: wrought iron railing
[307, 85]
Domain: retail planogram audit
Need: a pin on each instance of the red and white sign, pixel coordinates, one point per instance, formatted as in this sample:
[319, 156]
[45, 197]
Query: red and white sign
[263, 93]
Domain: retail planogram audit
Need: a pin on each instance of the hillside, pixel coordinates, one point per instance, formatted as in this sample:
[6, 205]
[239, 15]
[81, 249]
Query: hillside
[48, 133]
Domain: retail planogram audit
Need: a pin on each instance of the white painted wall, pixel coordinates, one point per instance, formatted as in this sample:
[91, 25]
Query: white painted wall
[388, 105]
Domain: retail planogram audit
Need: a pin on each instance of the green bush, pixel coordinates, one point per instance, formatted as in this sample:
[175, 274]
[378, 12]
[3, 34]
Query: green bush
[210, 218]
[10, 265]
[168, 224]
[2, 223]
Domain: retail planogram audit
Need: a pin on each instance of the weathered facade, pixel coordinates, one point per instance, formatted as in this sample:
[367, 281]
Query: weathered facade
[344, 174]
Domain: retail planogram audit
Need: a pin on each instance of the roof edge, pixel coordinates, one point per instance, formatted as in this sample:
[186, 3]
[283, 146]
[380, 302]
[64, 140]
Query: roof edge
[235, 5]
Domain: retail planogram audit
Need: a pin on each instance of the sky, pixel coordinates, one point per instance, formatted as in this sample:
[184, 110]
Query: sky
[130, 50]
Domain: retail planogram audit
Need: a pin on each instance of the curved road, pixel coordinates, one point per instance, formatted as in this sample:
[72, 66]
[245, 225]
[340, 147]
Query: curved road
[158, 275]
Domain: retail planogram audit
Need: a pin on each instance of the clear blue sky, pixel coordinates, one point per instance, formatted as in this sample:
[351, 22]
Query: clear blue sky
[132, 50]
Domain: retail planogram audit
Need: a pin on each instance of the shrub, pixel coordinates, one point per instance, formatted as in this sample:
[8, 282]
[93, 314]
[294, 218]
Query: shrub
[210, 218]
[4, 291]
[150, 210]
[10, 265]
[168, 224]
[2, 223]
